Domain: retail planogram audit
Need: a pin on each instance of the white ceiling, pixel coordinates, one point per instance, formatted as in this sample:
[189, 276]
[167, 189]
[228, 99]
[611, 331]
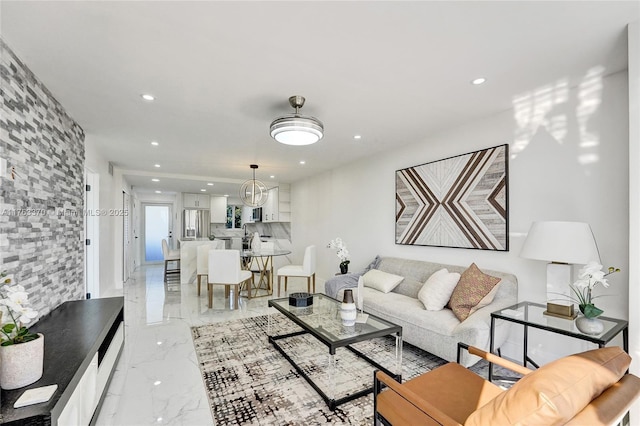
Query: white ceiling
[394, 72]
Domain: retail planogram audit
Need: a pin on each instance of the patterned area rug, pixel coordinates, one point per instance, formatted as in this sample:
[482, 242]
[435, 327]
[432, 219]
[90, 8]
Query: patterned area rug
[249, 382]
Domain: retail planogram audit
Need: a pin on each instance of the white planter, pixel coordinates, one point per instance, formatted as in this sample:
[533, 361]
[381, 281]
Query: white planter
[591, 326]
[21, 364]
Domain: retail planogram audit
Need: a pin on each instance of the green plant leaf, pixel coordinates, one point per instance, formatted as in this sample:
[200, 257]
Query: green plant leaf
[8, 328]
[590, 311]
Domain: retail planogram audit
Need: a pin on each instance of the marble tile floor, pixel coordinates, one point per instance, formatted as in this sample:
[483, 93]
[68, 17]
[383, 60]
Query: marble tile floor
[157, 380]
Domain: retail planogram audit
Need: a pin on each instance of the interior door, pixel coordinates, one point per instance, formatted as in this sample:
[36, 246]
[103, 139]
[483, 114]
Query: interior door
[157, 226]
[92, 232]
[126, 238]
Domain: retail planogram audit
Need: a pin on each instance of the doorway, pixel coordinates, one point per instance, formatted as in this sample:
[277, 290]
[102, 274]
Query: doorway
[157, 227]
[92, 233]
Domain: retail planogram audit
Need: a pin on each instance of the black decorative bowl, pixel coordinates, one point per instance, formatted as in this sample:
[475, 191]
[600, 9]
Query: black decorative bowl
[300, 299]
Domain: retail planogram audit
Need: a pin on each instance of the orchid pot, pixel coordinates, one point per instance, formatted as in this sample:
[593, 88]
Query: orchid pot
[21, 364]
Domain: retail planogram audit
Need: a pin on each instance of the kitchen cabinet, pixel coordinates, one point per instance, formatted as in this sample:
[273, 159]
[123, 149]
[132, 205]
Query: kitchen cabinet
[218, 209]
[270, 208]
[195, 201]
[83, 341]
[278, 205]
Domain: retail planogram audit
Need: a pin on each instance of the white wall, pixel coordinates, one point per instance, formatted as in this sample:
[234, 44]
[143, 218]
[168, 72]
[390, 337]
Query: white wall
[568, 162]
[111, 224]
[634, 197]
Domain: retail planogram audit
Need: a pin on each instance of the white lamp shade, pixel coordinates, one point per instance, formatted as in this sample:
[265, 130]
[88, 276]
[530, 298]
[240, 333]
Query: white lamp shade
[561, 242]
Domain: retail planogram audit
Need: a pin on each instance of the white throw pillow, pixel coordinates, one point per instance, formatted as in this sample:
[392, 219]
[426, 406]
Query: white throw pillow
[437, 290]
[381, 281]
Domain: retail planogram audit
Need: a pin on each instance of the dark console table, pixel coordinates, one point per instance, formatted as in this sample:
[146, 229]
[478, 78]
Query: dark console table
[83, 341]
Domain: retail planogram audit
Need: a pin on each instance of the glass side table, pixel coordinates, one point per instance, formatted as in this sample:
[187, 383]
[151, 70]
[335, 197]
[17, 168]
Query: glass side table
[530, 315]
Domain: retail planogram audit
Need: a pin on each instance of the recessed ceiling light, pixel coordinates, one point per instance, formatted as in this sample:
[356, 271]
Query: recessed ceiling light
[303, 162]
[155, 180]
[225, 195]
[156, 165]
[155, 143]
[148, 97]
[158, 192]
[210, 184]
[357, 137]
[203, 190]
[157, 382]
[478, 81]
[272, 176]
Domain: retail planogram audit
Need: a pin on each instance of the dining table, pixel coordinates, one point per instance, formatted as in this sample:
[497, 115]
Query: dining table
[263, 261]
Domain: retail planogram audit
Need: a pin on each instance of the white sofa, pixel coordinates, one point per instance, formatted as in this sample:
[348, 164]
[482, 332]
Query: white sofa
[437, 332]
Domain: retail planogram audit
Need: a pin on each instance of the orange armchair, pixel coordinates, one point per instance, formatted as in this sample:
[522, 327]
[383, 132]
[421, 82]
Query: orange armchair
[590, 388]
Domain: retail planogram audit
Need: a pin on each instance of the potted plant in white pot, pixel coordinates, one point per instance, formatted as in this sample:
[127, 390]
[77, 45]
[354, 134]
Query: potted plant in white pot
[21, 352]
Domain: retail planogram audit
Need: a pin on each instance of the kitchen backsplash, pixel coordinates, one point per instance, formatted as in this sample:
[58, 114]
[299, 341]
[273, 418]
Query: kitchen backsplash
[278, 230]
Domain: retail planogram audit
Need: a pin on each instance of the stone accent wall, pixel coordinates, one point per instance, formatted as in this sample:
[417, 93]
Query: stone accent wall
[41, 206]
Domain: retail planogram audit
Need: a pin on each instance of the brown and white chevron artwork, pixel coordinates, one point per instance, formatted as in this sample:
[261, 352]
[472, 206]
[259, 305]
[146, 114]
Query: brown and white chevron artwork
[456, 202]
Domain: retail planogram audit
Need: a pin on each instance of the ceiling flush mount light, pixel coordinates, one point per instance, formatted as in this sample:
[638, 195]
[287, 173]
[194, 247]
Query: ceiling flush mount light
[296, 129]
[477, 81]
[156, 165]
[253, 193]
[155, 143]
[155, 180]
[148, 97]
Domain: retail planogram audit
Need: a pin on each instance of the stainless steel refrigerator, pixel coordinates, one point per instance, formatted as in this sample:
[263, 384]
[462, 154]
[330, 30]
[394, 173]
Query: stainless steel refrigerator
[195, 223]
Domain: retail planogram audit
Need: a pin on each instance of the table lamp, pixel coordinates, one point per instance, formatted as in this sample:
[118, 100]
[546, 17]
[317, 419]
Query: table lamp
[562, 244]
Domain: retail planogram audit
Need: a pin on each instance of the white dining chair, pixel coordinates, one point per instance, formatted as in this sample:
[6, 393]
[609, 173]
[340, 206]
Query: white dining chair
[202, 259]
[170, 255]
[307, 269]
[224, 269]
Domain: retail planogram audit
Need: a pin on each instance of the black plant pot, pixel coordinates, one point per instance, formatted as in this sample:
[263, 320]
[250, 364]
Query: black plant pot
[344, 268]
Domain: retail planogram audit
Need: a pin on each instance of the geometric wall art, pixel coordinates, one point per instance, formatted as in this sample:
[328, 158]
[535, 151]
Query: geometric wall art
[460, 202]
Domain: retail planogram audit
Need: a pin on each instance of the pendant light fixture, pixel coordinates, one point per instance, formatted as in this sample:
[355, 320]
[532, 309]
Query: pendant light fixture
[296, 129]
[253, 193]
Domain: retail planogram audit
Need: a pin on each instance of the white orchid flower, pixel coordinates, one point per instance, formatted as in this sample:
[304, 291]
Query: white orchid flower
[26, 314]
[590, 268]
[13, 288]
[19, 297]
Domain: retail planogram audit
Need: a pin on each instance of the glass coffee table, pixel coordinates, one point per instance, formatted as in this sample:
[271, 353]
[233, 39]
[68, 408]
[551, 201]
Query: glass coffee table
[322, 321]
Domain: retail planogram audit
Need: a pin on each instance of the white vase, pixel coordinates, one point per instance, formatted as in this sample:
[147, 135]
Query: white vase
[21, 364]
[348, 311]
[591, 326]
[256, 243]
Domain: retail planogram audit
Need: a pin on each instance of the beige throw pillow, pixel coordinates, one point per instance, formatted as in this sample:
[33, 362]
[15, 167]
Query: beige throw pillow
[381, 281]
[437, 290]
[473, 286]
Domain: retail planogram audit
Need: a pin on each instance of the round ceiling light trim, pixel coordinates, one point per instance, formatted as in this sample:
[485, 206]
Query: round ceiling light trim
[296, 129]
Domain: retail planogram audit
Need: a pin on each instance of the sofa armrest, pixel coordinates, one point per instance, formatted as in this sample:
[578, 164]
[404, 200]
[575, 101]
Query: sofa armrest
[333, 285]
